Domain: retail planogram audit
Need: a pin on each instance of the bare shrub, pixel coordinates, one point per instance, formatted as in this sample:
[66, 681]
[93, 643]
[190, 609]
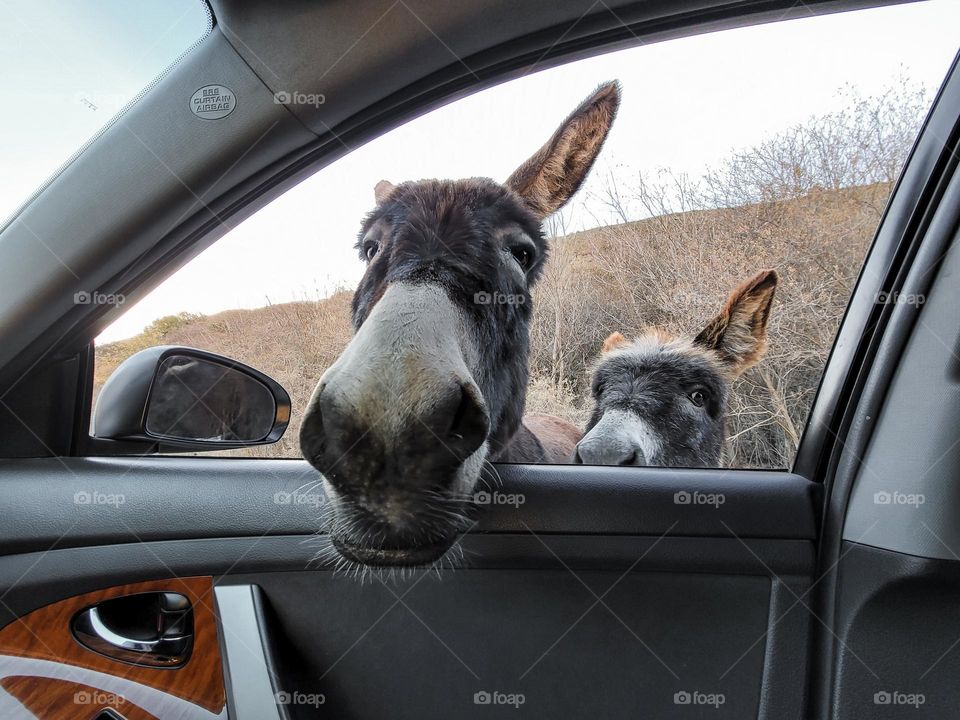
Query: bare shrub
[864, 143]
[549, 398]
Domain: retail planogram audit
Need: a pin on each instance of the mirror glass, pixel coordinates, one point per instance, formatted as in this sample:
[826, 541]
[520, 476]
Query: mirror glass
[196, 399]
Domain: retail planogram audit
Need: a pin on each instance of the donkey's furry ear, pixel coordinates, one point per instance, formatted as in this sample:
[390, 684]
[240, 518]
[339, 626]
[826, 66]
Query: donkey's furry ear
[557, 170]
[739, 333]
[382, 190]
[613, 341]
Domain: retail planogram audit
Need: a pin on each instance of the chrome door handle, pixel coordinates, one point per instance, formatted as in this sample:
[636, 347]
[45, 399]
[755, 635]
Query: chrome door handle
[151, 629]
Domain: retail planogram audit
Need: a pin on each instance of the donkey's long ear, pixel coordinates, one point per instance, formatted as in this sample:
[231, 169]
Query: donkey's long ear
[613, 341]
[739, 333]
[382, 190]
[555, 172]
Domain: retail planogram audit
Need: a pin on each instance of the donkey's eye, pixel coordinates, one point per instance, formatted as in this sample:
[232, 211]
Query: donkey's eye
[370, 249]
[524, 254]
[523, 257]
[698, 398]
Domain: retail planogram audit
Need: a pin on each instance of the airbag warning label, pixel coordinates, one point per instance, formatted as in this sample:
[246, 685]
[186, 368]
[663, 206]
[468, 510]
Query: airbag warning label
[212, 102]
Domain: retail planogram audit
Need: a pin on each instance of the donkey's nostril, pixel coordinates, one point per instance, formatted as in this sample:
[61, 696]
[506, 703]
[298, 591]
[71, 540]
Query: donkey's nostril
[311, 435]
[630, 459]
[469, 424]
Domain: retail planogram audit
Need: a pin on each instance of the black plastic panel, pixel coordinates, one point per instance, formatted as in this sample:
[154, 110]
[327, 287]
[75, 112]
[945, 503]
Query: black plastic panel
[31, 580]
[92, 501]
[897, 631]
[437, 651]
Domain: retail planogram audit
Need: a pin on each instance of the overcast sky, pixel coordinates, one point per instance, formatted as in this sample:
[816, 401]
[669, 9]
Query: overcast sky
[686, 105]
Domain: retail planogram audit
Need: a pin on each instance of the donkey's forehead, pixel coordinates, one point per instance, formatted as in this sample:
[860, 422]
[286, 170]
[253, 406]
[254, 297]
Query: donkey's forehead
[659, 352]
[482, 203]
[451, 233]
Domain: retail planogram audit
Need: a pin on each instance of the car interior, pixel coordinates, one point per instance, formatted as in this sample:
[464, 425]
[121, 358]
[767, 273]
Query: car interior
[143, 577]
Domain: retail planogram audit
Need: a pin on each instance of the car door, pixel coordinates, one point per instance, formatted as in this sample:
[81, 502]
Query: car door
[598, 592]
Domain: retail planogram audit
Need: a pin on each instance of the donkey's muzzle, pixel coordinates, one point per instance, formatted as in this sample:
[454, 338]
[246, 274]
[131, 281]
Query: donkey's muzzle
[604, 452]
[365, 446]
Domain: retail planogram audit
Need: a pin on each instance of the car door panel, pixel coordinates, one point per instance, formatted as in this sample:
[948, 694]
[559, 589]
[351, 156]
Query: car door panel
[727, 575]
[116, 499]
[574, 644]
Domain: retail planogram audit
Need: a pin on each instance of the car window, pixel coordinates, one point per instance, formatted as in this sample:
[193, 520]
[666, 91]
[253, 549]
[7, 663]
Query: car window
[694, 283]
[70, 67]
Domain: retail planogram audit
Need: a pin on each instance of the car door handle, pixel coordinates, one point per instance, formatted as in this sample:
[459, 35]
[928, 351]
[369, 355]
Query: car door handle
[150, 629]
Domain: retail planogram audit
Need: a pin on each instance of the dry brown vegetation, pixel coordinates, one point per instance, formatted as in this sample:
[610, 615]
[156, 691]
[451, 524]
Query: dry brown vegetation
[675, 271]
[805, 202]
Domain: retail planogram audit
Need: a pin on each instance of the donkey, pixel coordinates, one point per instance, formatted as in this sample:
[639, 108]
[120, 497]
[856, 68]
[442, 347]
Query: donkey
[662, 400]
[433, 383]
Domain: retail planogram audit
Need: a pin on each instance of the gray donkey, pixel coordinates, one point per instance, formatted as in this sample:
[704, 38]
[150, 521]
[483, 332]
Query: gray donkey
[661, 399]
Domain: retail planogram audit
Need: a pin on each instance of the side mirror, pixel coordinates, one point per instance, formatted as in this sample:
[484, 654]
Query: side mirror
[180, 398]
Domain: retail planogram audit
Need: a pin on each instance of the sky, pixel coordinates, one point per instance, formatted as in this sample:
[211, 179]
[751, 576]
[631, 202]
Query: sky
[687, 104]
[71, 65]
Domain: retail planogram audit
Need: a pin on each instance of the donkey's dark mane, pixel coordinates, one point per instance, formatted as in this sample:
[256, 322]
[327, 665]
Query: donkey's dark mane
[450, 233]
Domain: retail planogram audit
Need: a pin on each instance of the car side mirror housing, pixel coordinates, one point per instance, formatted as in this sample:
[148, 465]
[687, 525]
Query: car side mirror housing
[183, 399]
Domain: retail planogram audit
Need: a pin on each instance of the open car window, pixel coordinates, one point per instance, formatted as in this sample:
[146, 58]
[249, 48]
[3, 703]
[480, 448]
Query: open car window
[695, 282]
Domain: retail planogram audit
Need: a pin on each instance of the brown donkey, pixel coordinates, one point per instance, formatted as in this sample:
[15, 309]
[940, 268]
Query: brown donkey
[433, 383]
[662, 400]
